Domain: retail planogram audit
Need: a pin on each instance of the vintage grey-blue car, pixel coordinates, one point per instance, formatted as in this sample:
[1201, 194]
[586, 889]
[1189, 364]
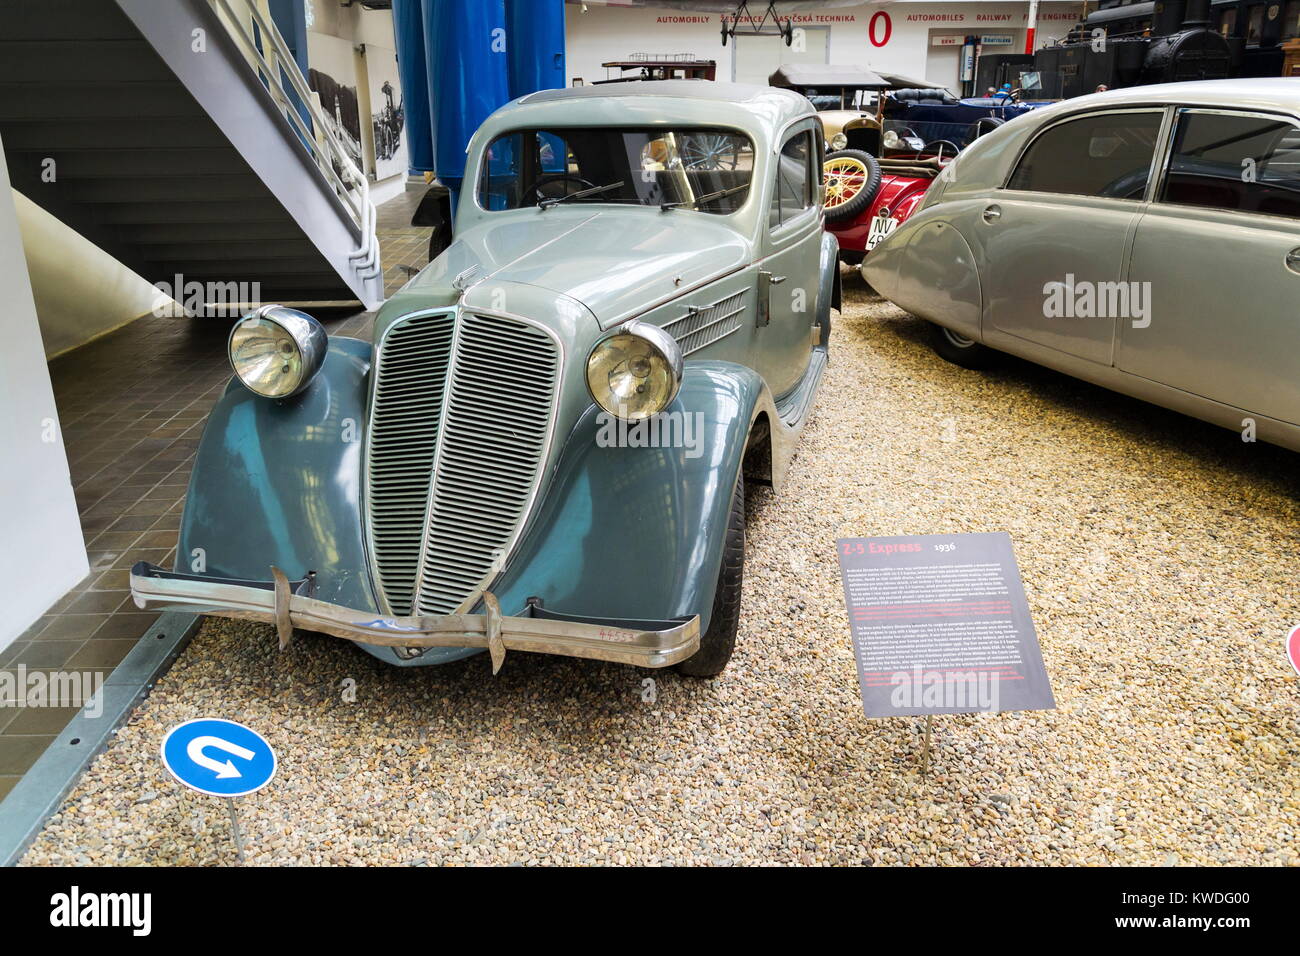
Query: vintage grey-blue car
[546, 445]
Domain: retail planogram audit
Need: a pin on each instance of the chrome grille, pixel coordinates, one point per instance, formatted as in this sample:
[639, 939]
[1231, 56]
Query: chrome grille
[410, 382]
[481, 444]
[490, 454]
[702, 327]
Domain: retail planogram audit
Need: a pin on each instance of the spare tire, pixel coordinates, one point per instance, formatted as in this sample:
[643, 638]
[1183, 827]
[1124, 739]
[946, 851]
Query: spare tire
[852, 181]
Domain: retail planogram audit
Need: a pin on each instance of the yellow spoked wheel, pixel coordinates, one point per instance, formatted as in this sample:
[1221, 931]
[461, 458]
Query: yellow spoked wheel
[852, 180]
[845, 178]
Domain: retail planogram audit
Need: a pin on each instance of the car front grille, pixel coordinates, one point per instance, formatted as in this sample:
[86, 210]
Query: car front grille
[460, 420]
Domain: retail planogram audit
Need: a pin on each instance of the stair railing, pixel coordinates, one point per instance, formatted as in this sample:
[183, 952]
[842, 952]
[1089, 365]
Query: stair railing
[274, 64]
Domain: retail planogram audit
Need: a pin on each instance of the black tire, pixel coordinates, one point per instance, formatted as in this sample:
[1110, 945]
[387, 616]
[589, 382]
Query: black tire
[717, 643]
[859, 203]
[960, 350]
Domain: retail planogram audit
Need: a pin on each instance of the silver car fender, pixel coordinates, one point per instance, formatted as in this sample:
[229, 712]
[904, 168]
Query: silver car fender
[928, 268]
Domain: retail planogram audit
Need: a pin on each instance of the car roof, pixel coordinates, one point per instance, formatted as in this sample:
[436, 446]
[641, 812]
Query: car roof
[716, 90]
[760, 111]
[1243, 93]
[801, 75]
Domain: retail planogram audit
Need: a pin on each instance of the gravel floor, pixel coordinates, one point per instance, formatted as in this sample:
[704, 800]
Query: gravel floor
[1159, 557]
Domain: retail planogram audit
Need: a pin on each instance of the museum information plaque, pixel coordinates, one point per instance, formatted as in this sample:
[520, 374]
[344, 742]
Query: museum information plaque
[941, 626]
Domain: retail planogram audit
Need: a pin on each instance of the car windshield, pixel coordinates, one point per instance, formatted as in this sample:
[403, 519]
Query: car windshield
[827, 98]
[699, 168]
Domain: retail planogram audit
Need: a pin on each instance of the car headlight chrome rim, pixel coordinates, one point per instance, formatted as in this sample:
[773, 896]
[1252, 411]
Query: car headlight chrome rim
[275, 351]
[839, 141]
[636, 372]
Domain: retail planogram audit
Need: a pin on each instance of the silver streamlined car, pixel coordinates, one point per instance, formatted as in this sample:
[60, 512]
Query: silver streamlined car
[1146, 240]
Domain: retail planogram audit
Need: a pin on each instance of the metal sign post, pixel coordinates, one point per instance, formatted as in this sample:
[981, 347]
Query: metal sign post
[925, 747]
[202, 755]
[234, 828]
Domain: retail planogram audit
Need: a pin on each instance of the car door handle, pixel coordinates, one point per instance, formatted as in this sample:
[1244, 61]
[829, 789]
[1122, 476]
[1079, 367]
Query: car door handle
[1293, 260]
[776, 280]
[993, 213]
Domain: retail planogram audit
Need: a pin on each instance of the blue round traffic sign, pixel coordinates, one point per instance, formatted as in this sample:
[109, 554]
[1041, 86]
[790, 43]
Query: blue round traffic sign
[219, 757]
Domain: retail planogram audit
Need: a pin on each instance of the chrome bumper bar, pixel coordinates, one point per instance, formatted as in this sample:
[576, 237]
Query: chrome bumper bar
[289, 604]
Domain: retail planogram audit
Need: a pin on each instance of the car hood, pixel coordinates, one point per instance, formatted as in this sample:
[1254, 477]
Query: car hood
[618, 263]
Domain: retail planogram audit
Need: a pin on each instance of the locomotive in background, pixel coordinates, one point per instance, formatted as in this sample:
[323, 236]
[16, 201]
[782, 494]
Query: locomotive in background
[1133, 44]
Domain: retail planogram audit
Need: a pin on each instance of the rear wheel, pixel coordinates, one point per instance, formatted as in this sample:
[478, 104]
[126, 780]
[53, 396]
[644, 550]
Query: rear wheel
[960, 350]
[852, 181]
[717, 643]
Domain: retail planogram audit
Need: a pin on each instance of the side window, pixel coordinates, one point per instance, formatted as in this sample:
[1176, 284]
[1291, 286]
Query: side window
[796, 187]
[1254, 24]
[1291, 20]
[1105, 154]
[515, 161]
[1235, 161]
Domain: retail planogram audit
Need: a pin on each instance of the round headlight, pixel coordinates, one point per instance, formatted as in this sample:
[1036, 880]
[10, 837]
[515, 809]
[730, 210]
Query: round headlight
[275, 351]
[839, 141]
[636, 372]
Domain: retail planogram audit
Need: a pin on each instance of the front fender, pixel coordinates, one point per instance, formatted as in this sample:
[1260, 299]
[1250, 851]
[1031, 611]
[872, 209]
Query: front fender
[926, 267]
[637, 532]
[279, 483]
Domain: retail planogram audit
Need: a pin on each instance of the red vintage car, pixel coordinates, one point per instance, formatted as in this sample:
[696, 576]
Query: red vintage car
[866, 198]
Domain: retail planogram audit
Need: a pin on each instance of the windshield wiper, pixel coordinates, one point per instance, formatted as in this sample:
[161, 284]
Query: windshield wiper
[548, 203]
[707, 197]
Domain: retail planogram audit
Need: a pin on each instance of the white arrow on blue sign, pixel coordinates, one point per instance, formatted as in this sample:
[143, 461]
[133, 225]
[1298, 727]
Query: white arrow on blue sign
[218, 757]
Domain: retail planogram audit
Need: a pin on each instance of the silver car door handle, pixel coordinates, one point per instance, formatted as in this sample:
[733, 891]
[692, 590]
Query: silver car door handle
[993, 213]
[777, 280]
[1293, 260]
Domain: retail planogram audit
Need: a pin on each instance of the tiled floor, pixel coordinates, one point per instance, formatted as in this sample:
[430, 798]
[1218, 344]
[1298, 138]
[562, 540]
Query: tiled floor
[132, 407]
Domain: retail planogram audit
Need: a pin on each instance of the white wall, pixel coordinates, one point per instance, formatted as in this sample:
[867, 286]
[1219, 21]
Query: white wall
[43, 554]
[81, 291]
[901, 32]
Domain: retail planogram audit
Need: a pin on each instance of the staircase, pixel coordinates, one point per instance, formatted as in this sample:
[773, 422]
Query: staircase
[201, 154]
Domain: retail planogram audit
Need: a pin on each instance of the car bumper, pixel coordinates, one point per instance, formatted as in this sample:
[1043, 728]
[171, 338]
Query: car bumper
[290, 604]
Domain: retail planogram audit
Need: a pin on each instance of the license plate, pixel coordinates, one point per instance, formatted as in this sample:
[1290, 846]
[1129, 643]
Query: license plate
[880, 227]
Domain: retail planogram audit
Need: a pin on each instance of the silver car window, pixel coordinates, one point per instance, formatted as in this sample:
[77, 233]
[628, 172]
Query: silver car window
[795, 179]
[646, 167]
[1104, 154]
[1223, 159]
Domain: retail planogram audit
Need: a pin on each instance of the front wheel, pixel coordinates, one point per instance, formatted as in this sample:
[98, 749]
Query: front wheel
[960, 350]
[717, 643]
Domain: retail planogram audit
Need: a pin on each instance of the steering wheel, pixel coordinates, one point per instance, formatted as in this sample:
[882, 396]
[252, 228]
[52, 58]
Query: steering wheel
[938, 146]
[534, 189]
[1129, 186]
